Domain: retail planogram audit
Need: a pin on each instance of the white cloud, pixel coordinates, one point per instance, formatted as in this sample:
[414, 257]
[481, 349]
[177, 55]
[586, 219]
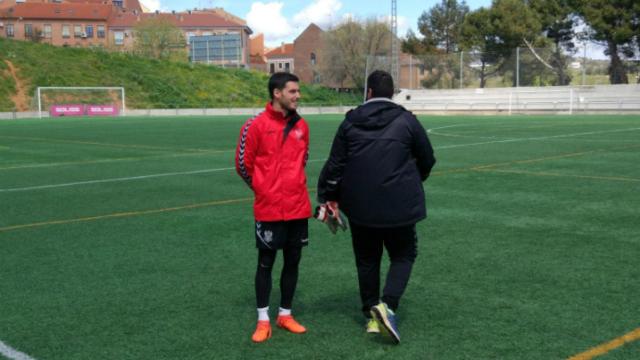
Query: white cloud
[152, 5]
[323, 13]
[267, 18]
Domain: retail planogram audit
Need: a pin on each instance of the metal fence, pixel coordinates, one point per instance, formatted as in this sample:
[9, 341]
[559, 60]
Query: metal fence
[521, 67]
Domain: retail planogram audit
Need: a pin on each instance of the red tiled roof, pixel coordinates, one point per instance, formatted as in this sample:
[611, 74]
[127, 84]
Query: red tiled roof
[256, 59]
[181, 20]
[285, 50]
[128, 4]
[57, 11]
[103, 2]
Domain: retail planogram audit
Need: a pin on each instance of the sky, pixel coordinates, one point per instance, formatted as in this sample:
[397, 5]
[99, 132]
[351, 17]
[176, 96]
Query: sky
[283, 20]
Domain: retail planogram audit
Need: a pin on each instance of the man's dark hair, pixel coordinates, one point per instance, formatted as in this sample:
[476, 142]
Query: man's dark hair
[279, 80]
[381, 84]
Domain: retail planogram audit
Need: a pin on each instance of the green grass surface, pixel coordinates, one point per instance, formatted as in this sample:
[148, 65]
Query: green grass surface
[530, 250]
[148, 83]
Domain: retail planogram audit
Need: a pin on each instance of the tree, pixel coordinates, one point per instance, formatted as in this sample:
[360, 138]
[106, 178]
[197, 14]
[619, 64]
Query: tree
[478, 37]
[615, 23]
[347, 47]
[557, 22]
[158, 38]
[411, 44]
[440, 27]
[442, 24]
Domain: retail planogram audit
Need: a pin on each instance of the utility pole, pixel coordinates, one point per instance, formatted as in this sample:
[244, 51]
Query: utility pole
[395, 51]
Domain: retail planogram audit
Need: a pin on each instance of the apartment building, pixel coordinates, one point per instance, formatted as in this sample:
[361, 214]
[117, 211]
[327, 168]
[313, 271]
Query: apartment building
[212, 36]
[57, 24]
[111, 23]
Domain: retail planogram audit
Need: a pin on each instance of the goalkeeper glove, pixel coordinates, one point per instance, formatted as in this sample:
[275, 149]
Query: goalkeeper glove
[330, 214]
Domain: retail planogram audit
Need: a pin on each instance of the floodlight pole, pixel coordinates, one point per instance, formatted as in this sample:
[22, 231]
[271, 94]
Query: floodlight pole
[395, 53]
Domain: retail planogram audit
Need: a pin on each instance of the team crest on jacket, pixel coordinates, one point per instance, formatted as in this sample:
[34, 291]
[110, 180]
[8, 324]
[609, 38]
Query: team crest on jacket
[298, 134]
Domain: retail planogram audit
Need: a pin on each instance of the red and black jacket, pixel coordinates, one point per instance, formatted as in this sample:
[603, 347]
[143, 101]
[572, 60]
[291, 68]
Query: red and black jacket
[271, 156]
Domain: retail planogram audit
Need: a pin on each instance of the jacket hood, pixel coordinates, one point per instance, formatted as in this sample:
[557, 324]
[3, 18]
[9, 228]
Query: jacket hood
[375, 114]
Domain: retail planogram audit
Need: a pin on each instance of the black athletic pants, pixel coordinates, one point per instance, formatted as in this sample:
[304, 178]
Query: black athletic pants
[288, 278]
[368, 243]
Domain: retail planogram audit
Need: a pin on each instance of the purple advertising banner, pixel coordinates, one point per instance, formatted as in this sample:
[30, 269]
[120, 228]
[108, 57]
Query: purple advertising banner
[67, 110]
[102, 110]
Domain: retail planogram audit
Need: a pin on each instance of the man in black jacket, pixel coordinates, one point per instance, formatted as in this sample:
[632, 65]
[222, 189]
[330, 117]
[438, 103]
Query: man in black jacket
[379, 158]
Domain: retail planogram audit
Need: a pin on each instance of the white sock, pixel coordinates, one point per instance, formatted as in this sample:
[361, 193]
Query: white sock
[284, 312]
[263, 314]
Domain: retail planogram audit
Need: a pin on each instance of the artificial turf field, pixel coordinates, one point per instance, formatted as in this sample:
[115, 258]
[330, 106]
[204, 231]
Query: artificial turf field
[132, 238]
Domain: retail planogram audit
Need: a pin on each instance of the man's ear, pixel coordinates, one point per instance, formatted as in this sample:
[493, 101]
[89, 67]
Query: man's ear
[369, 93]
[277, 93]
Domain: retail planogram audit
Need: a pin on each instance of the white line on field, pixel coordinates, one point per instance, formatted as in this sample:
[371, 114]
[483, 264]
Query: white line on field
[537, 138]
[40, 187]
[448, 126]
[13, 354]
[131, 178]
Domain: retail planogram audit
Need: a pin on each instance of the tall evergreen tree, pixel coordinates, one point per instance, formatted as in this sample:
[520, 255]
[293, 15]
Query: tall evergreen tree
[616, 24]
[441, 25]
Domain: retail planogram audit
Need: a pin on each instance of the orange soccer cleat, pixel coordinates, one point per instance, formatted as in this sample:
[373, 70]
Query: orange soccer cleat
[263, 331]
[287, 322]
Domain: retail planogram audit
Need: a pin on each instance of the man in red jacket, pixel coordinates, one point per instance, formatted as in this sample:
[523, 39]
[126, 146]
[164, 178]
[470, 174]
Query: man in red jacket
[271, 156]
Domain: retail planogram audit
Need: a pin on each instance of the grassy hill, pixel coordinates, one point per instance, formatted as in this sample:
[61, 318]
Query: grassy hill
[148, 83]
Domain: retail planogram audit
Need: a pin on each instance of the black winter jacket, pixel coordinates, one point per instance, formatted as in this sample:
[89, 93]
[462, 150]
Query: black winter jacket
[379, 158]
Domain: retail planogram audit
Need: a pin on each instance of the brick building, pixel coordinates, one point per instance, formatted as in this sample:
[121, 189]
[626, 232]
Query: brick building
[64, 24]
[212, 23]
[305, 53]
[300, 57]
[280, 59]
[111, 23]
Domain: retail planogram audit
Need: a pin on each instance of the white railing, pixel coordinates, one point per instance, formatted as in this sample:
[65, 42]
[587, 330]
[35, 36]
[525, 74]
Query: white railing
[568, 100]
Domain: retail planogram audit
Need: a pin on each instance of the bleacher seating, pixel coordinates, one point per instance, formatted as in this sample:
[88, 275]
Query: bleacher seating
[552, 99]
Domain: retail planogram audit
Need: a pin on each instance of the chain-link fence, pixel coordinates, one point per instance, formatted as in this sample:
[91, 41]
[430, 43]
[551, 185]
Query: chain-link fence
[522, 67]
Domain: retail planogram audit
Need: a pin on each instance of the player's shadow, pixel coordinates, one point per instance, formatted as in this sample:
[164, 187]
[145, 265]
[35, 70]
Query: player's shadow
[340, 304]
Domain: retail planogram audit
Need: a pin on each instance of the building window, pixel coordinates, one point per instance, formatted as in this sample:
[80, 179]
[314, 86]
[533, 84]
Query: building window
[9, 30]
[279, 65]
[287, 67]
[272, 68]
[89, 31]
[66, 33]
[77, 31]
[28, 30]
[313, 58]
[117, 3]
[118, 38]
[101, 32]
[46, 31]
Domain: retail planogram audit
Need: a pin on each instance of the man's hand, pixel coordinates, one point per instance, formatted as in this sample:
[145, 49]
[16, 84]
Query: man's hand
[329, 214]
